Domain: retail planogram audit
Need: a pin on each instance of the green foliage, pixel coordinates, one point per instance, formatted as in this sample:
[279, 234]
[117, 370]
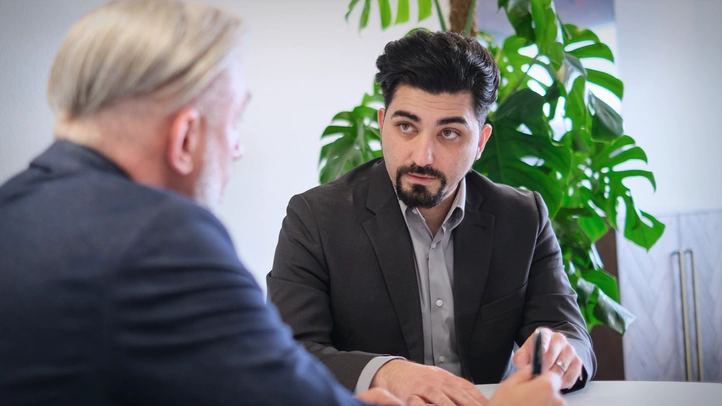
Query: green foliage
[579, 171]
[425, 8]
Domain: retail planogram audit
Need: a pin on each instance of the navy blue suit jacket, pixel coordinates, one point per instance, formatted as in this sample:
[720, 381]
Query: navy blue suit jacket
[114, 293]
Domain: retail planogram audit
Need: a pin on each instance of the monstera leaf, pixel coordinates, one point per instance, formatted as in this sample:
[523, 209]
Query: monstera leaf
[402, 12]
[352, 138]
[639, 227]
[520, 151]
[353, 147]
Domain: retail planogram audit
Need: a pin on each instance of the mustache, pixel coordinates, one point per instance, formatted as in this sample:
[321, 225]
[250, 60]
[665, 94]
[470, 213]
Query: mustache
[414, 169]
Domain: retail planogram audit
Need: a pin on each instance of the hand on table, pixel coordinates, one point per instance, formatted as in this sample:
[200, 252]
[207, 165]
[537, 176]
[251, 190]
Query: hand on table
[379, 396]
[559, 357]
[421, 384]
[521, 390]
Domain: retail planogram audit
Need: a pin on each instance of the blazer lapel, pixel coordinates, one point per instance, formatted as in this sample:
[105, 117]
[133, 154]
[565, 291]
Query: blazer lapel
[391, 242]
[473, 240]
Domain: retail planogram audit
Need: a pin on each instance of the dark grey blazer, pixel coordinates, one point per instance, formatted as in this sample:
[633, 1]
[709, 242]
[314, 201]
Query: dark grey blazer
[113, 293]
[344, 277]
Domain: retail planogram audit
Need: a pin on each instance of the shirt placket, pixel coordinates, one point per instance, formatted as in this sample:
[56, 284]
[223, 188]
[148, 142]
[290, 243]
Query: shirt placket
[441, 300]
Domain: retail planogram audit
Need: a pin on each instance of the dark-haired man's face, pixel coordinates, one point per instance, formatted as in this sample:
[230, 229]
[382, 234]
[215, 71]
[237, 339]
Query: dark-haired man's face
[429, 141]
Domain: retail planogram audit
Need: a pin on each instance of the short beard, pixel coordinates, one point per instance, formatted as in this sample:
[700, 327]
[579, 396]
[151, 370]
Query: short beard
[208, 188]
[419, 195]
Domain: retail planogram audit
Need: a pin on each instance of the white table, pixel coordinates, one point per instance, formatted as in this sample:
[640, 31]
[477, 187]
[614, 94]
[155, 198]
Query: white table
[634, 393]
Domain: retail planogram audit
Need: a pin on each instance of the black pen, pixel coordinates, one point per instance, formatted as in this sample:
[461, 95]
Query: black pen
[536, 354]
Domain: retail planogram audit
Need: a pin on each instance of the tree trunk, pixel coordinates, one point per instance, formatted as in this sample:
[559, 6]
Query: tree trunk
[460, 9]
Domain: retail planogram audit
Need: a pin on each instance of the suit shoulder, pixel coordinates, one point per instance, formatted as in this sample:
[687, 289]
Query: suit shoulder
[176, 228]
[503, 198]
[342, 190]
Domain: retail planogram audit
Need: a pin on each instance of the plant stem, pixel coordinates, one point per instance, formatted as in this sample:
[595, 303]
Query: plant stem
[533, 62]
[470, 18]
[441, 16]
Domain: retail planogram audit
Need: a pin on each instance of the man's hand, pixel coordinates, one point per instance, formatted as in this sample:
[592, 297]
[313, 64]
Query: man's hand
[521, 390]
[559, 357]
[421, 384]
[379, 396]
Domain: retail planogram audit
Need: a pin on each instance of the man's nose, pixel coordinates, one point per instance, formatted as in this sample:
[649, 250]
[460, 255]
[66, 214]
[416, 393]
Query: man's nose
[423, 150]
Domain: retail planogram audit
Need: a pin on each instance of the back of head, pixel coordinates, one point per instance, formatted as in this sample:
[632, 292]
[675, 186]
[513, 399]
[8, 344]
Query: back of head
[441, 62]
[160, 50]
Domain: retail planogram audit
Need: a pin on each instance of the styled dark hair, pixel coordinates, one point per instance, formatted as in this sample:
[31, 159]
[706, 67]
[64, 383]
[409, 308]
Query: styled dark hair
[441, 62]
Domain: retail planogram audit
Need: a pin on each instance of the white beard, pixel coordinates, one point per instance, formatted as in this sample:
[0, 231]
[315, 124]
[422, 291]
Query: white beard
[209, 187]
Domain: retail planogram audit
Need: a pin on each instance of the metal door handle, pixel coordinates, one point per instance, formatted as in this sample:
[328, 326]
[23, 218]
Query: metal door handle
[696, 314]
[685, 323]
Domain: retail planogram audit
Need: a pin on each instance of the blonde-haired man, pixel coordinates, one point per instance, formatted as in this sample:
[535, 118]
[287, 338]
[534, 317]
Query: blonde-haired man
[117, 285]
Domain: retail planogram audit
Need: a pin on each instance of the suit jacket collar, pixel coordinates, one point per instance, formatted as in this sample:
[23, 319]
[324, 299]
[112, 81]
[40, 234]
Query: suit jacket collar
[381, 190]
[391, 242]
[64, 157]
[473, 240]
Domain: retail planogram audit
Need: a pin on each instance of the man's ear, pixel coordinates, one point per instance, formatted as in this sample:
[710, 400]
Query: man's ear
[484, 135]
[380, 118]
[184, 141]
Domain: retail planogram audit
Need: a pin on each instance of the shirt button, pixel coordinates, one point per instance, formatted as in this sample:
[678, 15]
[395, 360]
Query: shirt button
[442, 359]
[439, 302]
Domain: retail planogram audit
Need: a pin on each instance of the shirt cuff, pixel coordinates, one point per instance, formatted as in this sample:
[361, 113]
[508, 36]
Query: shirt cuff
[369, 371]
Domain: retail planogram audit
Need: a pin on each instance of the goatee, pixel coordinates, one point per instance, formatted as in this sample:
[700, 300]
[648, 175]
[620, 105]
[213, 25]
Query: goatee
[419, 195]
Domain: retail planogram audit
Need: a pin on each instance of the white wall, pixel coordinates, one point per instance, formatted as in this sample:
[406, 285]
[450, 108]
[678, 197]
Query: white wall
[670, 54]
[304, 62]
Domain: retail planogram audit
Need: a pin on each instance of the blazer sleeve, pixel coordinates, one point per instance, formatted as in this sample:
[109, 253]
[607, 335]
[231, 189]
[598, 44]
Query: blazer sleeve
[187, 325]
[298, 285]
[550, 300]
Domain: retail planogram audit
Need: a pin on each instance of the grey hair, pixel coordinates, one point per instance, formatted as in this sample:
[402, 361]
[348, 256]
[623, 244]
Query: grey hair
[166, 50]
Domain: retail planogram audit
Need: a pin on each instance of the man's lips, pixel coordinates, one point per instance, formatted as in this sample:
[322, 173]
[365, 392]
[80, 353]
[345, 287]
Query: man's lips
[416, 178]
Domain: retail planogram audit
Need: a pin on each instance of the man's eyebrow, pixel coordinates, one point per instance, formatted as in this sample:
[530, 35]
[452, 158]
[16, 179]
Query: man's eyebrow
[443, 121]
[450, 120]
[401, 113]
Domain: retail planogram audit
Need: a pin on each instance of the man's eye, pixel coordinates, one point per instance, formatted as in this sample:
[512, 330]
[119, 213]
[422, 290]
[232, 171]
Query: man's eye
[449, 134]
[405, 127]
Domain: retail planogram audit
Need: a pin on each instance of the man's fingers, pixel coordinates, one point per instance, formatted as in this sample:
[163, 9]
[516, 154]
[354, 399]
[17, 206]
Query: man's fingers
[546, 338]
[465, 395]
[549, 380]
[436, 396]
[521, 358]
[557, 344]
[478, 396]
[416, 401]
[520, 376]
[379, 396]
[571, 365]
[573, 373]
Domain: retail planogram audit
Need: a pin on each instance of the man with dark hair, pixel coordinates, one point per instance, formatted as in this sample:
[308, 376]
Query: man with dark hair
[412, 271]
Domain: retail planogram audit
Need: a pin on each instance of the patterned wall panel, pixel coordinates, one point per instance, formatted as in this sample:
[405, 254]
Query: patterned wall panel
[649, 288]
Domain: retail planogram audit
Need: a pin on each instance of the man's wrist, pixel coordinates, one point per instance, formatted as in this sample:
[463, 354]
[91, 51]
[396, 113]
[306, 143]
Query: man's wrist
[371, 369]
[379, 379]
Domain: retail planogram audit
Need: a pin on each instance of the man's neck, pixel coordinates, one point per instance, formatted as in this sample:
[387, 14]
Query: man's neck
[138, 153]
[435, 216]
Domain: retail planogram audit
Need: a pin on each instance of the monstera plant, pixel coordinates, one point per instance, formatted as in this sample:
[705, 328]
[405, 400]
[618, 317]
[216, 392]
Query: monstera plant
[552, 134]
